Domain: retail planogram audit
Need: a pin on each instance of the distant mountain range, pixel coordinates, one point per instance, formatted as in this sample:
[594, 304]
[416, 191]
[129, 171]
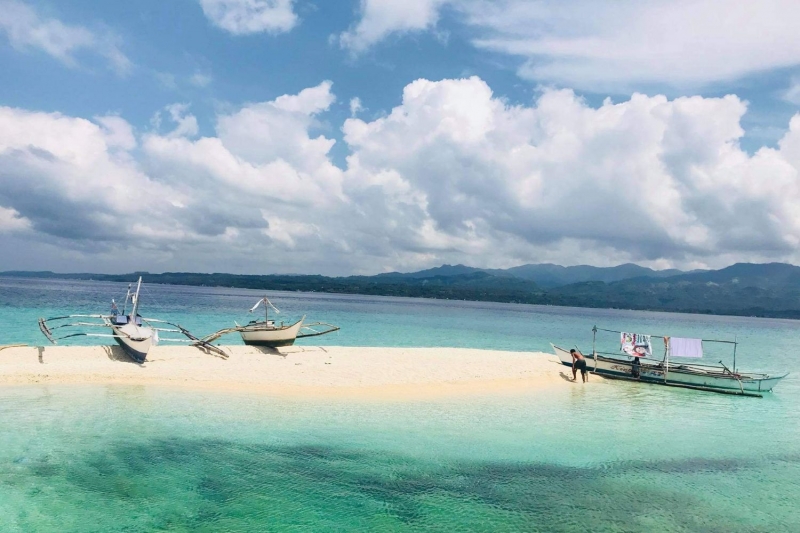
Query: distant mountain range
[748, 289]
[546, 275]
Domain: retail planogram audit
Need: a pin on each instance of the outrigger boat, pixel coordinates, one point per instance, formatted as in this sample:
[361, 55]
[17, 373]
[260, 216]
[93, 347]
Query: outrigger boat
[267, 333]
[713, 378]
[134, 333]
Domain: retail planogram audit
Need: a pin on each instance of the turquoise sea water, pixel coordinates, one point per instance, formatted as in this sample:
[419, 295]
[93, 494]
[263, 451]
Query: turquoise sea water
[612, 457]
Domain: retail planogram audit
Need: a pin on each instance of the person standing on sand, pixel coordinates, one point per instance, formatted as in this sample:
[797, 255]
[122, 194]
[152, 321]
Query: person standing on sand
[578, 363]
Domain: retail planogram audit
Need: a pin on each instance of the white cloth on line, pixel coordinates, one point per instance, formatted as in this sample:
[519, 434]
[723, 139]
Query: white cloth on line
[679, 347]
[636, 344]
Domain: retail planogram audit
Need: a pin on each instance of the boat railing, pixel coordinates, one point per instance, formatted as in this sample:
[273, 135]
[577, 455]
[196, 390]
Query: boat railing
[672, 365]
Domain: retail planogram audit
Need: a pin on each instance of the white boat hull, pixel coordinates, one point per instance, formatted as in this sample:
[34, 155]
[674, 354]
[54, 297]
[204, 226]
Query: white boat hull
[680, 375]
[135, 340]
[261, 334]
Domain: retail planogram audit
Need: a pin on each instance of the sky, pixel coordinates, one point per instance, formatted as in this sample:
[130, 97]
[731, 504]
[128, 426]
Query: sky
[366, 136]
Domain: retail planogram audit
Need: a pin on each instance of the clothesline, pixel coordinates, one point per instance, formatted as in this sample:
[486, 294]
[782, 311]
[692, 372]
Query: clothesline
[663, 336]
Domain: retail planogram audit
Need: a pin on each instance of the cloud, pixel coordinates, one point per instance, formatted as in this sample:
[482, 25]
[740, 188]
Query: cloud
[263, 175]
[118, 134]
[609, 46]
[588, 44]
[648, 178]
[355, 106]
[381, 18]
[75, 181]
[25, 30]
[11, 221]
[244, 17]
[278, 131]
[452, 174]
[185, 124]
[200, 79]
[792, 94]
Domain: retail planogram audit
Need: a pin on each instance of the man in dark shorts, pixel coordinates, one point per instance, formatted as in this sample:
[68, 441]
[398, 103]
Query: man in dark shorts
[578, 363]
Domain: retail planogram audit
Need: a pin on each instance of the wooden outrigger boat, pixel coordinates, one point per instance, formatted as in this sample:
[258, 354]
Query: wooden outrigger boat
[269, 334]
[713, 378]
[134, 333]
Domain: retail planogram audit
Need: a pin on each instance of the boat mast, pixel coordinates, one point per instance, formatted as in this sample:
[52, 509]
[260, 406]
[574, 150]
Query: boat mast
[266, 311]
[734, 353]
[127, 297]
[135, 308]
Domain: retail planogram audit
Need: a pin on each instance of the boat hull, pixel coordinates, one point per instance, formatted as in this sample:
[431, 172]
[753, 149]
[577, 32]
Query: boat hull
[270, 336]
[678, 375]
[134, 340]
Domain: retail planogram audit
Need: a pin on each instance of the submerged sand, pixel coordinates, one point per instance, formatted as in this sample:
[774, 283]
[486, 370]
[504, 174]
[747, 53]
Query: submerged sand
[297, 370]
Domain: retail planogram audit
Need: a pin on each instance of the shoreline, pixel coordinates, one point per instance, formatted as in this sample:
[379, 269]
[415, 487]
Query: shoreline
[296, 371]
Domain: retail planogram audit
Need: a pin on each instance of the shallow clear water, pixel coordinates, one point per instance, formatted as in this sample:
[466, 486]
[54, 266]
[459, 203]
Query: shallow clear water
[612, 457]
[607, 458]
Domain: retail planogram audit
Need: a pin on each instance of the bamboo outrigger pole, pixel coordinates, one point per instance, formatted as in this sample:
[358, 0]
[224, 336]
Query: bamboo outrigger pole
[3, 347]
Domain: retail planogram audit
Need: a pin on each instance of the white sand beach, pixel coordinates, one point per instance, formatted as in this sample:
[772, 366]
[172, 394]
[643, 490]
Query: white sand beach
[380, 373]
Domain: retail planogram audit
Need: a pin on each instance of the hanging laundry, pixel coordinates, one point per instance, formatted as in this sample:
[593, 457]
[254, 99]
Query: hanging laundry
[679, 347]
[636, 345]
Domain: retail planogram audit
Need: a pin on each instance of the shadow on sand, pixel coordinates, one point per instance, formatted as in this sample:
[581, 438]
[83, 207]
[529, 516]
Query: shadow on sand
[269, 350]
[116, 353]
[565, 377]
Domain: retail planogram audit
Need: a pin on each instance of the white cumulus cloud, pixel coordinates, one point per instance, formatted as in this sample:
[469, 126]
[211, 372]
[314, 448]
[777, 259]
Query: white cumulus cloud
[650, 178]
[452, 174]
[243, 17]
[75, 181]
[380, 18]
[185, 123]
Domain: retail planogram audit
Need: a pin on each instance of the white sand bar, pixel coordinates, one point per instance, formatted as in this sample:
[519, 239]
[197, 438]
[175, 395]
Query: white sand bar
[380, 373]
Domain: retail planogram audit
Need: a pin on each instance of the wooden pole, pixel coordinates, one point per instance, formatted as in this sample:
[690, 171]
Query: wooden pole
[594, 346]
[734, 353]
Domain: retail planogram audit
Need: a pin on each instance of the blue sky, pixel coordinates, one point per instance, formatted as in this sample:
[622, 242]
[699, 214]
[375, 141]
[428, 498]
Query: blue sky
[487, 133]
[170, 42]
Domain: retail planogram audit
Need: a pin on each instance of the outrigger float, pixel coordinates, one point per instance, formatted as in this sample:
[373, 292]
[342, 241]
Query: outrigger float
[134, 333]
[712, 378]
[269, 334]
